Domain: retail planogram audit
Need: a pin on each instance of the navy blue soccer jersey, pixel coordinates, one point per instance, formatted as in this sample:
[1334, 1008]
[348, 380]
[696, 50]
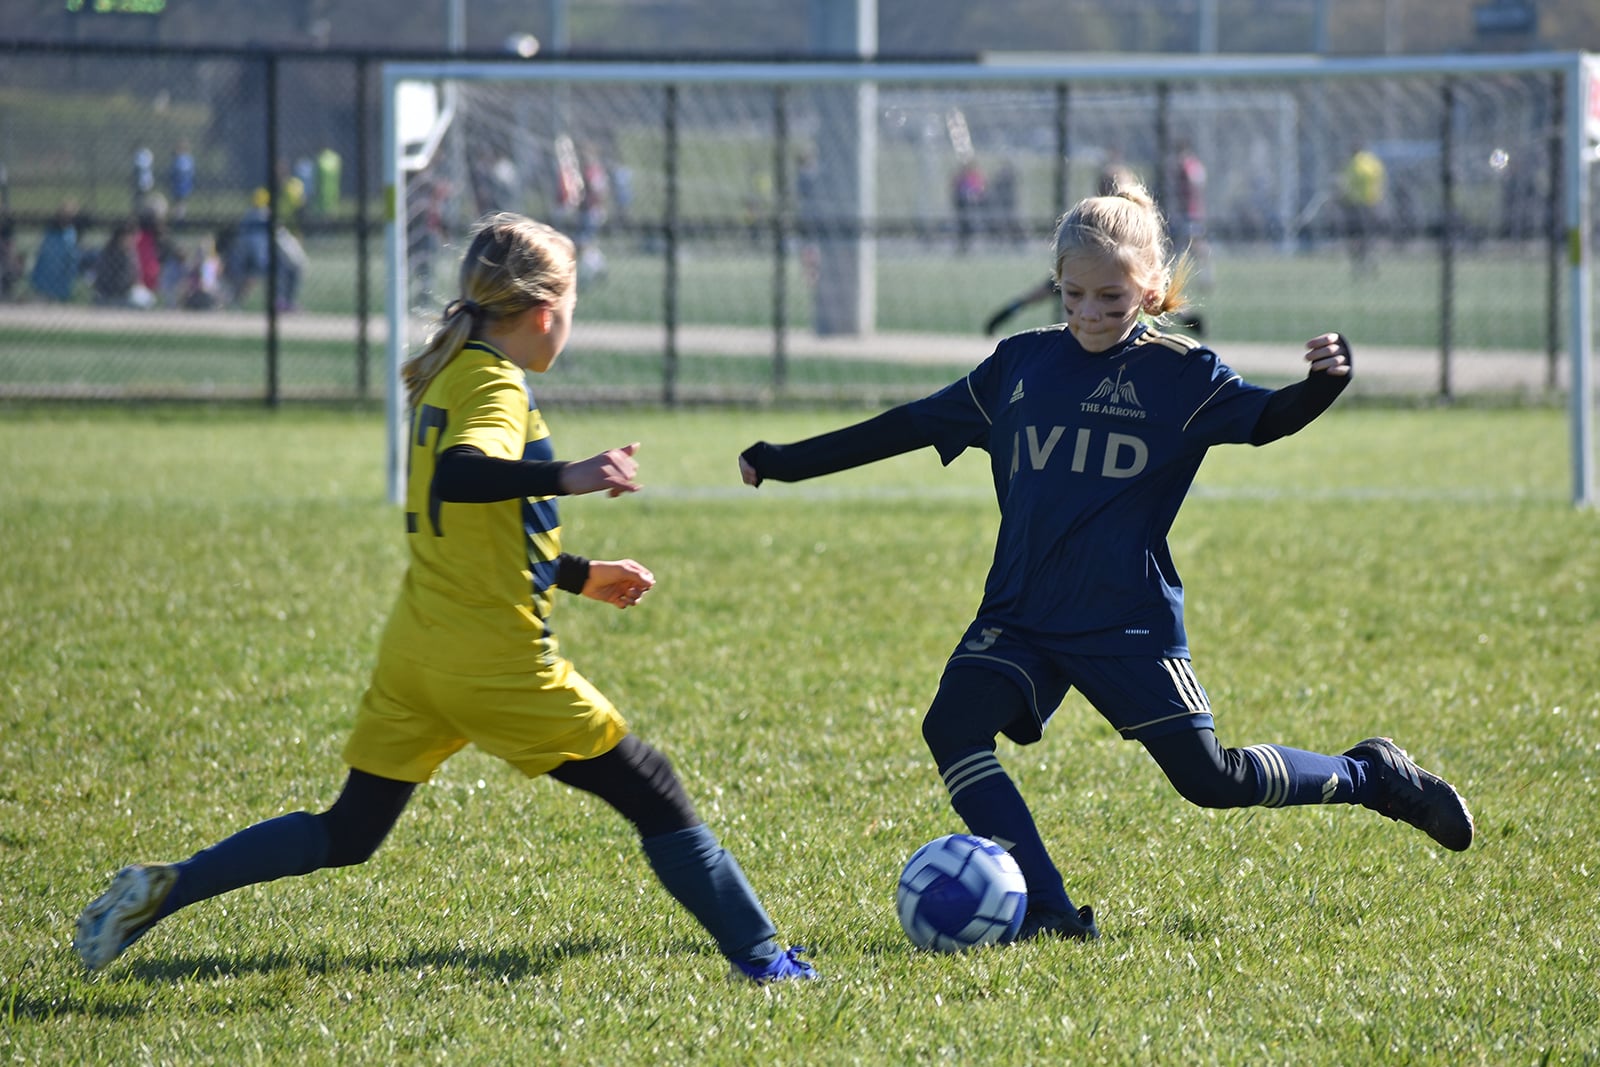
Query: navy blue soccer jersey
[1091, 455]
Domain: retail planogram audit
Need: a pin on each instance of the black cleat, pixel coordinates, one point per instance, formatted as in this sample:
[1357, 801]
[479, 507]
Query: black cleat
[1405, 792]
[1058, 924]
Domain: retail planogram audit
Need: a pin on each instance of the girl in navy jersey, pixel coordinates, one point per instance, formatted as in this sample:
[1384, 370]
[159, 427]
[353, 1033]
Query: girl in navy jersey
[1095, 429]
[469, 654]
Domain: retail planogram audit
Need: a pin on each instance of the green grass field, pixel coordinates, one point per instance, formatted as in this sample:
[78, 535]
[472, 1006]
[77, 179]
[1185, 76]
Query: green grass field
[189, 607]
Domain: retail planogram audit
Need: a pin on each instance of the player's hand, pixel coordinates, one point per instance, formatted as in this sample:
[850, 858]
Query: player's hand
[612, 470]
[747, 463]
[619, 582]
[1330, 354]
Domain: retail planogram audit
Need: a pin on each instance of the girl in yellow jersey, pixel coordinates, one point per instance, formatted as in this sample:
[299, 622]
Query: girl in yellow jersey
[468, 654]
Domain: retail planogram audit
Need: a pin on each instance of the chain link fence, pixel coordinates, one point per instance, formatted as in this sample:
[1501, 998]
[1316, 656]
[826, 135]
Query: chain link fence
[750, 237]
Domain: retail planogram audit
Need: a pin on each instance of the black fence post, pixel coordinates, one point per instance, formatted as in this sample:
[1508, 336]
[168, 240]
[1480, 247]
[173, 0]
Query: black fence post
[1062, 196]
[1555, 232]
[274, 386]
[670, 222]
[782, 204]
[363, 220]
[1449, 224]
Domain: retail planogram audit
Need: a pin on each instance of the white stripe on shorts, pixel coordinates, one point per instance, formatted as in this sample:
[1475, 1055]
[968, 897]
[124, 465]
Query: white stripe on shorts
[1188, 686]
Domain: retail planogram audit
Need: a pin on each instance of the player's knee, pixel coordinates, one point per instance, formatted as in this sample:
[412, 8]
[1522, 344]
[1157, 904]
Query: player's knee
[948, 735]
[668, 808]
[349, 841]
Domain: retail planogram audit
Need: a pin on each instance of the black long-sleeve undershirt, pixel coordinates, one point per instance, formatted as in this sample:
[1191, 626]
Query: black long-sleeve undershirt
[465, 475]
[889, 434]
[1291, 409]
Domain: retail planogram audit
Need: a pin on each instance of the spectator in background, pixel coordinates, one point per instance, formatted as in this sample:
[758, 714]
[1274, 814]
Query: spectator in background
[252, 250]
[593, 206]
[202, 287]
[249, 247]
[329, 168]
[1189, 220]
[116, 270]
[59, 260]
[621, 192]
[180, 181]
[160, 260]
[969, 192]
[292, 194]
[1006, 199]
[12, 264]
[292, 264]
[144, 176]
[1362, 190]
[810, 211]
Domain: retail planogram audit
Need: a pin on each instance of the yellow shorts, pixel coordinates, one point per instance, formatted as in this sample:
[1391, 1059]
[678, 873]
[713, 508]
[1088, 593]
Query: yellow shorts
[415, 717]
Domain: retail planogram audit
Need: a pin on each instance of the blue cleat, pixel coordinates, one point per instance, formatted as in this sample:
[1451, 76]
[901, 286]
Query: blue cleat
[121, 915]
[788, 967]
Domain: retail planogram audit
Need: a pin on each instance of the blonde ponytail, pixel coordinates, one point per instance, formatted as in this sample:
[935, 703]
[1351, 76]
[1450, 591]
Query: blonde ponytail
[511, 264]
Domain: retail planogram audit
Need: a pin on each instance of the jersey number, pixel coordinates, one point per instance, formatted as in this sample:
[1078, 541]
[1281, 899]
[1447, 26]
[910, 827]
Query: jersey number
[428, 418]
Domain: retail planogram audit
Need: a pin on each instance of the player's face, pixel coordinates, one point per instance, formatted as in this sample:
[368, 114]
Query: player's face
[1100, 299]
[547, 344]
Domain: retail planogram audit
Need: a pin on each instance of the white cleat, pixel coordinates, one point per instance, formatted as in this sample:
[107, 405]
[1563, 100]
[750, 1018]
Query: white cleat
[121, 915]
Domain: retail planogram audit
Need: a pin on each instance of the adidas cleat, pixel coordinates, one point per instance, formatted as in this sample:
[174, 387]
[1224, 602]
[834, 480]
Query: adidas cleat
[121, 915]
[788, 967]
[1405, 792]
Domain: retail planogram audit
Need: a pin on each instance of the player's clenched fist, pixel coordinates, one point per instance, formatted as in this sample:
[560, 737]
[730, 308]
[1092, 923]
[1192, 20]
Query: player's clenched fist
[621, 582]
[1329, 354]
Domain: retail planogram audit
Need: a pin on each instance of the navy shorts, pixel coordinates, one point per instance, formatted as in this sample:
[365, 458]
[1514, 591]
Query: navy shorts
[1140, 696]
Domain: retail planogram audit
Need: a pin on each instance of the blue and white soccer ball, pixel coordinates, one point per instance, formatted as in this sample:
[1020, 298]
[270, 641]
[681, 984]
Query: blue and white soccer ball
[961, 891]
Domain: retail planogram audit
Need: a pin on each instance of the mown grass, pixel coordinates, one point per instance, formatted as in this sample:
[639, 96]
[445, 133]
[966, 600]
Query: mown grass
[189, 605]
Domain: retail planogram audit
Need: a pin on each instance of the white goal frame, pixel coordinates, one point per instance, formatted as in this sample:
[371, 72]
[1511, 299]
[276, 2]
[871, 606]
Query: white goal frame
[1580, 73]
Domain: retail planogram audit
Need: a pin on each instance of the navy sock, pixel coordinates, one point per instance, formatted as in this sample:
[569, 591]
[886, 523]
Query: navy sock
[289, 844]
[706, 879]
[1287, 777]
[988, 802]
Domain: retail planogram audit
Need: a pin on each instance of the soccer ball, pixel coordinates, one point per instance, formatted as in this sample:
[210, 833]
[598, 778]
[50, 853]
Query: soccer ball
[960, 891]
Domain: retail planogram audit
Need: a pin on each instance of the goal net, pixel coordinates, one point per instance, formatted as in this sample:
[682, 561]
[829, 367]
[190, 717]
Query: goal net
[844, 232]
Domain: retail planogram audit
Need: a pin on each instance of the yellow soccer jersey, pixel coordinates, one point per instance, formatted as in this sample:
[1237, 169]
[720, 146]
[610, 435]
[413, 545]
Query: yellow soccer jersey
[477, 594]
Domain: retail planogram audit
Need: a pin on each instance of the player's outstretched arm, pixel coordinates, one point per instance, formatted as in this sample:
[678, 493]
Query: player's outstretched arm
[464, 475]
[613, 471]
[889, 434]
[1291, 409]
[619, 582]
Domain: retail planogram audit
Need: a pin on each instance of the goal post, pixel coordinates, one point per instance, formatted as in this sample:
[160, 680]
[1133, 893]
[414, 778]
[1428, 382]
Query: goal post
[722, 210]
[1582, 151]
